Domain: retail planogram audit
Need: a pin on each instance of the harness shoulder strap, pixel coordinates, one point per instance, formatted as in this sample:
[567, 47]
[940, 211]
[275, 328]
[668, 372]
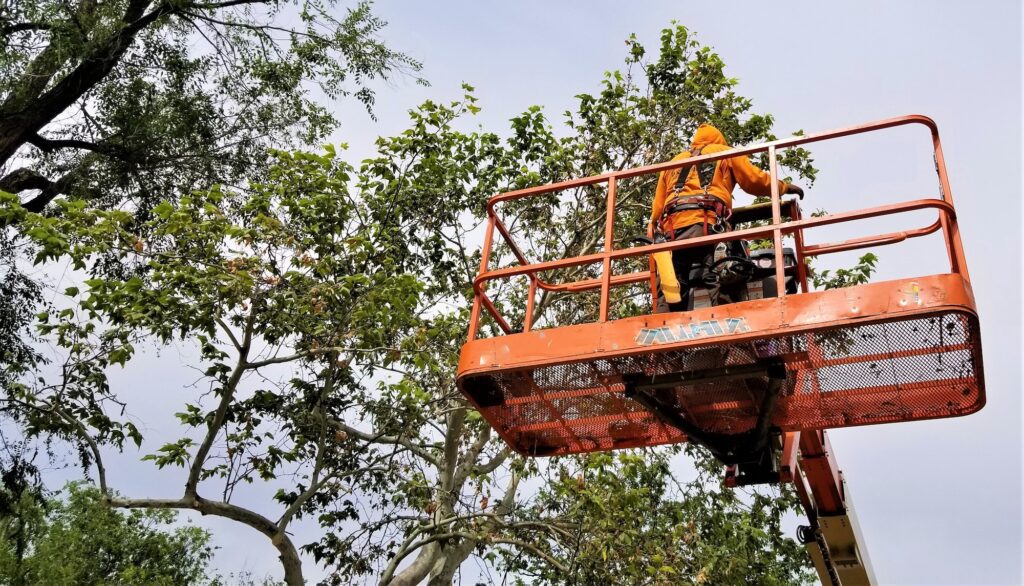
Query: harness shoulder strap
[705, 172]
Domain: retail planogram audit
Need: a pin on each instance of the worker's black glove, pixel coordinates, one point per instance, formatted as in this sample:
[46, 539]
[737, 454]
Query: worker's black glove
[799, 191]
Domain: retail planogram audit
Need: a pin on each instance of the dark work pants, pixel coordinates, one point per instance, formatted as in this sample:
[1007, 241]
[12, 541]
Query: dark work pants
[683, 261]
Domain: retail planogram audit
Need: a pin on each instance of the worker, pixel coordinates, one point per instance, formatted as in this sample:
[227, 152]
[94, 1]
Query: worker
[700, 203]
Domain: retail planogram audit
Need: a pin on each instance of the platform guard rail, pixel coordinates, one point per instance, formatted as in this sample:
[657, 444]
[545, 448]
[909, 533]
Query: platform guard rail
[946, 222]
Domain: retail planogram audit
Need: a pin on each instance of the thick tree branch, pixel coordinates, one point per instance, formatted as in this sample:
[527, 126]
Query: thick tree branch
[456, 422]
[20, 27]
[388, 439]
[227, 395]
[494, 463]
[217, 5]
[288, 553]
[24, 180]
[471, 455]
[34, 112]
[21, 180]
[49, 145]
[416, 572]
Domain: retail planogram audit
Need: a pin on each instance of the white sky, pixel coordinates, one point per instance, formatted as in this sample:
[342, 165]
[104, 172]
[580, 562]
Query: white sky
[939, 502]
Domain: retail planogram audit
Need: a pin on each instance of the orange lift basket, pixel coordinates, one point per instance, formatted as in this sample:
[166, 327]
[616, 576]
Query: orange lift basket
[881, 352]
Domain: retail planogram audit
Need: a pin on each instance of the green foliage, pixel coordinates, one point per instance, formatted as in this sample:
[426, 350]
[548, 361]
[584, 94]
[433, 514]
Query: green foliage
[327, 303]
[131, 101]
[21, 299]
[630, 521]
[859, 274]
[77, 539]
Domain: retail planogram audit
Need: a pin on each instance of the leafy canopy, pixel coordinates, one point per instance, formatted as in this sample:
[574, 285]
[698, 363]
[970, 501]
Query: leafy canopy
[76, 539]
[327, 304]
[140, 100]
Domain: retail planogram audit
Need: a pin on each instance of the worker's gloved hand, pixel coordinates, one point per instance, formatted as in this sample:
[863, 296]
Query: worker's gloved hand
[799, 191]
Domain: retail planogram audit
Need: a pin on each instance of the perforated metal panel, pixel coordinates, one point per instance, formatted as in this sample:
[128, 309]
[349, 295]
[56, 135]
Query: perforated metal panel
[898, 370]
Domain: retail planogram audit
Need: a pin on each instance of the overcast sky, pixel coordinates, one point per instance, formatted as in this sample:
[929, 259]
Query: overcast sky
[939, 502]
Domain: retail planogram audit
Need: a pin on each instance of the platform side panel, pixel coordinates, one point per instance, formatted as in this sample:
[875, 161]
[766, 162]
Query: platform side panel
[916, 362]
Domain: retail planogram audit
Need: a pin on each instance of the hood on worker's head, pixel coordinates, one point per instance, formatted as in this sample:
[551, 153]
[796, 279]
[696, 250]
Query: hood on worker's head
[707, 134]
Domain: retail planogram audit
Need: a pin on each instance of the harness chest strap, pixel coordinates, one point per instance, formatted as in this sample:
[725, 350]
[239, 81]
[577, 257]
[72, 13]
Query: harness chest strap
[707, 202]
[705, 173]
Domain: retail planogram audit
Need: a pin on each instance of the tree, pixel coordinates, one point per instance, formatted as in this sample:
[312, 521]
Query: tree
[139, 100]
[630, 520]
[22, 503]
[328, 303]
[129, 102]
[79, 540]
[292, 264]
[467, 497]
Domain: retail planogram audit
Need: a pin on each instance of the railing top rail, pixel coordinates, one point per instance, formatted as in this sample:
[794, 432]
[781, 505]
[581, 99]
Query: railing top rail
[778, 227]
[736, 152]
[756, 232]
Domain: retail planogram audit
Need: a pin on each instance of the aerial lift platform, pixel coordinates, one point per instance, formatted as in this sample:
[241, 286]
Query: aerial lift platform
[756, 382]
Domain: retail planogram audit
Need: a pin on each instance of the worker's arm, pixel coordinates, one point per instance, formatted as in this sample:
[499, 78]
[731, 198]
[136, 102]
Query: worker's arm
[660, 194]
[753, 180]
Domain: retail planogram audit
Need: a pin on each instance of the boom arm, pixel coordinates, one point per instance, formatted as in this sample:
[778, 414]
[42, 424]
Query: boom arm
[833, 536]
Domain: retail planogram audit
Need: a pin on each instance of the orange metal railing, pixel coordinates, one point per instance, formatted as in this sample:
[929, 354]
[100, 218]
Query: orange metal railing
[946, 222]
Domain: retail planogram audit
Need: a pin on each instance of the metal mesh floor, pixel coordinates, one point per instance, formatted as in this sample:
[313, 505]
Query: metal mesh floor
[913, 368]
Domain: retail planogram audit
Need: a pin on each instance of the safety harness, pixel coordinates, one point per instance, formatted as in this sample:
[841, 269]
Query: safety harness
[706, 202]
[670, 282]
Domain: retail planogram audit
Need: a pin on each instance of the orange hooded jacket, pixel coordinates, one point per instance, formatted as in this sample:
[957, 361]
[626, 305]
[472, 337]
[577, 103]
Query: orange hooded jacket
[729, 172]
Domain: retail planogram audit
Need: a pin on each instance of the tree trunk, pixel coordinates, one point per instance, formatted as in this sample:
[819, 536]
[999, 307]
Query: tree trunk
[453, 558]
[419, 570]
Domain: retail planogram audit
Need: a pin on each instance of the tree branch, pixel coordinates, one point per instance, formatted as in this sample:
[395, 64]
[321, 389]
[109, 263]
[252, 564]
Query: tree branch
[388, 439]
[35, 111]
[231, 335]
[316, 352]
[288, 554]
[25, 26]
[469, 459]
[227, 395]
[530, 548]
[101, 472]
[228, 3]
[23, 180]
[494, 463]
[49, 145]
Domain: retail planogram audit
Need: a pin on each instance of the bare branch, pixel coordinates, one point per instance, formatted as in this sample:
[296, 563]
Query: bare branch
[388, 439]
[227, 395]
[23, 180]
[316, 352]
[530, 548]
[231, 335]
[228, 3]
[494, 463]
[101, 472]
[288, 553]
[49, 145]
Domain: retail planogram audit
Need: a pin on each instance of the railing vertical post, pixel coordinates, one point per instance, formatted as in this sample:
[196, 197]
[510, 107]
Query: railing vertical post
[485, 258]
[801, 259]
[653, 270]
[528, 318]
[609, 245]
[954, 247]
[780, 268]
